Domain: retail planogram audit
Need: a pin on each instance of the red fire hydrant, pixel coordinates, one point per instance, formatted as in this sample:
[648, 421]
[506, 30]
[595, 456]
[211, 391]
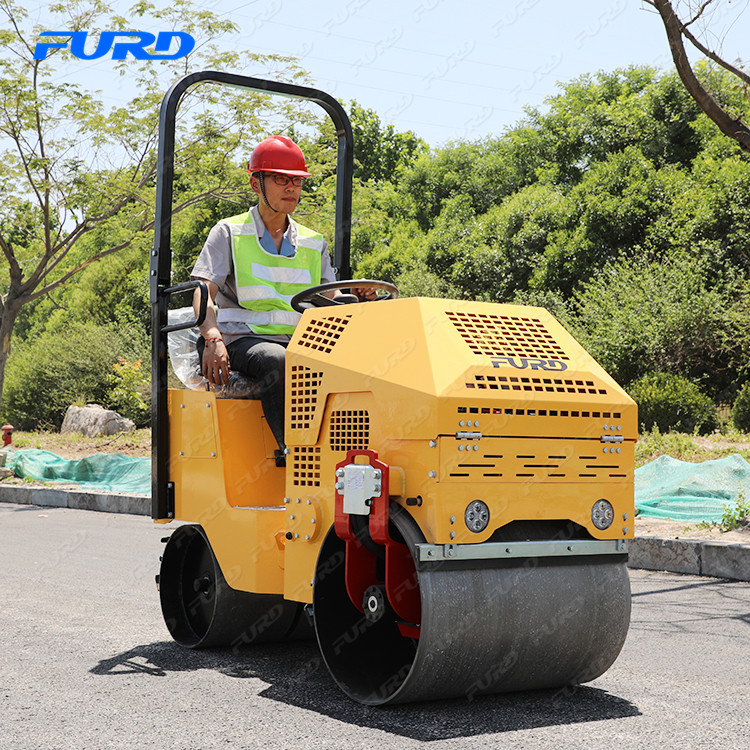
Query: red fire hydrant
[7, 434]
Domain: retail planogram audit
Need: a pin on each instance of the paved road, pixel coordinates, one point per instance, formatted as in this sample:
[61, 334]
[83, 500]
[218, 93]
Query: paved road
[86, 662]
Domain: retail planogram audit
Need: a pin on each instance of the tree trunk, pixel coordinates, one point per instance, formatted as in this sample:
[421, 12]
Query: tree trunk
[10, 310]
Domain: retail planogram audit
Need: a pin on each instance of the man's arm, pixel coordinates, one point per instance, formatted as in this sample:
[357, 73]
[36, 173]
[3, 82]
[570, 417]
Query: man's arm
[215, 365]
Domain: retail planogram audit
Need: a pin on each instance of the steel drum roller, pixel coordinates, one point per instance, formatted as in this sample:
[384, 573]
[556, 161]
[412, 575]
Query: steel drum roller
[537, 624]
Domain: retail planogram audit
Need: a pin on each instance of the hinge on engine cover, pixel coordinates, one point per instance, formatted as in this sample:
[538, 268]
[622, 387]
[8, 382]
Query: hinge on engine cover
[612, 439]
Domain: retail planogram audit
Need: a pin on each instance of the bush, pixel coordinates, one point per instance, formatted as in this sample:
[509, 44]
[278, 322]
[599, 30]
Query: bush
[637, 317]
[741, 409]
[62, 366]
[130, 391]
[674, 403]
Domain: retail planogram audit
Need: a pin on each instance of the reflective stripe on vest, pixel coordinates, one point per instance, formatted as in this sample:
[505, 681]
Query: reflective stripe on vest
[266, 283]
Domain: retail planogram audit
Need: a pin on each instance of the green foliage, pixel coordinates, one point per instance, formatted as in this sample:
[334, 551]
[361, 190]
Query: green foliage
[69, 364]
[741, 409]
[636, 317]
[485, 172]
[422, 282]
[736, 517]
[671, 402]
[732, 518]
[130, 390]
[619, 206]
[602, 114]
[78, 181]
[653, 443]
[380, 153]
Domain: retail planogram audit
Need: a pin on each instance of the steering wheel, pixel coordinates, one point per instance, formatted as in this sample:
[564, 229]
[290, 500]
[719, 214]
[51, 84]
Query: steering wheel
[313, 297]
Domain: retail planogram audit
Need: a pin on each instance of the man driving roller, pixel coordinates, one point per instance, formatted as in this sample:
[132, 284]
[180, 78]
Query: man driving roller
[253, 264]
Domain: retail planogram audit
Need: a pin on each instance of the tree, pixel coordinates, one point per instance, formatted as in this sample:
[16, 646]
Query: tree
[637, 317]
[78, 182]
[730, 124]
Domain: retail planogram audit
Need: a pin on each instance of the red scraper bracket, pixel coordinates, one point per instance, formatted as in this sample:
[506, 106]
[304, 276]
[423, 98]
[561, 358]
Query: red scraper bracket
[401, 587]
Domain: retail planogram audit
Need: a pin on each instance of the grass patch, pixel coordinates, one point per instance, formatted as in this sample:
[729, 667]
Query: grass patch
[76, 445]
[694, 448]
[733, 518]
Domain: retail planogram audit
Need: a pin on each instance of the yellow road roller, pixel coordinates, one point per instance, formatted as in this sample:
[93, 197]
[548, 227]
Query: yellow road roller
[454, 514]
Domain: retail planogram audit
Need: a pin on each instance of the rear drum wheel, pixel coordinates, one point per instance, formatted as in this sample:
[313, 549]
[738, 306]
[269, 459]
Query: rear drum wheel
[201, 610]
[538, 624]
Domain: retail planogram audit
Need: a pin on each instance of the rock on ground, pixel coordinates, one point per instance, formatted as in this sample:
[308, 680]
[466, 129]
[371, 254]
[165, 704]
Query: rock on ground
[93, 420]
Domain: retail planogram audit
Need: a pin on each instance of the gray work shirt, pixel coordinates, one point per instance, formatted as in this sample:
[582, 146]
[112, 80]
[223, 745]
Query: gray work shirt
[215, 264]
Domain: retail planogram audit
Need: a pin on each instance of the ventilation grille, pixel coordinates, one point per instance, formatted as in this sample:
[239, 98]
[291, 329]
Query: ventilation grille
[540, 412]
[497, 463]
[506, 336]
[304, 396]
[306, 466]
[350, 430]
[545, 385]
[323, 334]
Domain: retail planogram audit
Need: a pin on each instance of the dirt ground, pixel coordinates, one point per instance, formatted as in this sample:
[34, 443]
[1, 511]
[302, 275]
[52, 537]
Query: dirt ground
[686, 530]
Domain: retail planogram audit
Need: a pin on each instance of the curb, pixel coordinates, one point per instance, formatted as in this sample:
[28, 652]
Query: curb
[138, 505]
[691, 556]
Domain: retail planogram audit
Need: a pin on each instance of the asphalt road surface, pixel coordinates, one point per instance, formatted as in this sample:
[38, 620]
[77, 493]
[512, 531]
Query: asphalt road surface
[86, 662]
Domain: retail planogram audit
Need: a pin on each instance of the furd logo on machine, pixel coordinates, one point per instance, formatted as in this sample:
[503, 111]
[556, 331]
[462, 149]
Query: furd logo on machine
[107, 41]
[522, 363]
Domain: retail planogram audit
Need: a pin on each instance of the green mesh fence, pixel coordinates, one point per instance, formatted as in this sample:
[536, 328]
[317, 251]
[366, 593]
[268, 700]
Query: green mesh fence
[682, 491]
[102, 471]
[664, 488]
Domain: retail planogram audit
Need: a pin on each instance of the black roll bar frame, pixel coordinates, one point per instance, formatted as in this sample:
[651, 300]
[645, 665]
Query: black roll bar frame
[160, 271]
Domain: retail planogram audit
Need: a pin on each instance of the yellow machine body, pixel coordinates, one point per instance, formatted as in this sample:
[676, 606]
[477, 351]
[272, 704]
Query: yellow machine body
[463, 401]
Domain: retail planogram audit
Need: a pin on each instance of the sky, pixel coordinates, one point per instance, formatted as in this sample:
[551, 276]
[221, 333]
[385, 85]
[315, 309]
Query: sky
[445, 69]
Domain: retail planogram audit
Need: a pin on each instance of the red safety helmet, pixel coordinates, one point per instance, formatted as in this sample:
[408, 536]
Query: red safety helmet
[278, 154]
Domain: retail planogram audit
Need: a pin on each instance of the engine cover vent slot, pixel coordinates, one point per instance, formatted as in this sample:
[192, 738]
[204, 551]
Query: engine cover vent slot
[304, 396]
[541, 385]
[541, 460]
[506, 335]
[510, 411]
[349, 430]
[323, 334]
[306, 466]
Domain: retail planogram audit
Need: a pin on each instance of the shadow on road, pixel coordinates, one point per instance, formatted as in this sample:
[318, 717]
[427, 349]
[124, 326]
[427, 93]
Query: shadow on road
[297, 676]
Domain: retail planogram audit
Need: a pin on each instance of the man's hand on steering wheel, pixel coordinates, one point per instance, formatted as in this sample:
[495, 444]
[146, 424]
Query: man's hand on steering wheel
[366, 289]
[365, 293]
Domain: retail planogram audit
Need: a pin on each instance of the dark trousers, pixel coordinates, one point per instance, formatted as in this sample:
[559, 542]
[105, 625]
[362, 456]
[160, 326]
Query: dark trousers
[263, 362]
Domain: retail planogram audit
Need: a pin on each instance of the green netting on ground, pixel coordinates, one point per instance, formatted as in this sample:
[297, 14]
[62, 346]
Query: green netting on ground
[668, 488]
[664, 488]
[102, 471]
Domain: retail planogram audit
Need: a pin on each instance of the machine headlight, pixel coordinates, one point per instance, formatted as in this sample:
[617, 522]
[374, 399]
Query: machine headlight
[477, 516]
[602, 514]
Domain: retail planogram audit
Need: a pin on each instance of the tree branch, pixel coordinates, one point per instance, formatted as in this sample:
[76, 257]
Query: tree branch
[728, 125]
[144, 227]
[698, 14]
[713, 56]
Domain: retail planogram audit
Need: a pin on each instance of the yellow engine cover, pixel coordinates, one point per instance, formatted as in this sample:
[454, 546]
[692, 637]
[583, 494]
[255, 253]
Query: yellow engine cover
[468, 400]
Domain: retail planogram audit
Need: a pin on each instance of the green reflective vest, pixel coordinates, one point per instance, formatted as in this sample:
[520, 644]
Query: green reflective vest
[266, 283]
